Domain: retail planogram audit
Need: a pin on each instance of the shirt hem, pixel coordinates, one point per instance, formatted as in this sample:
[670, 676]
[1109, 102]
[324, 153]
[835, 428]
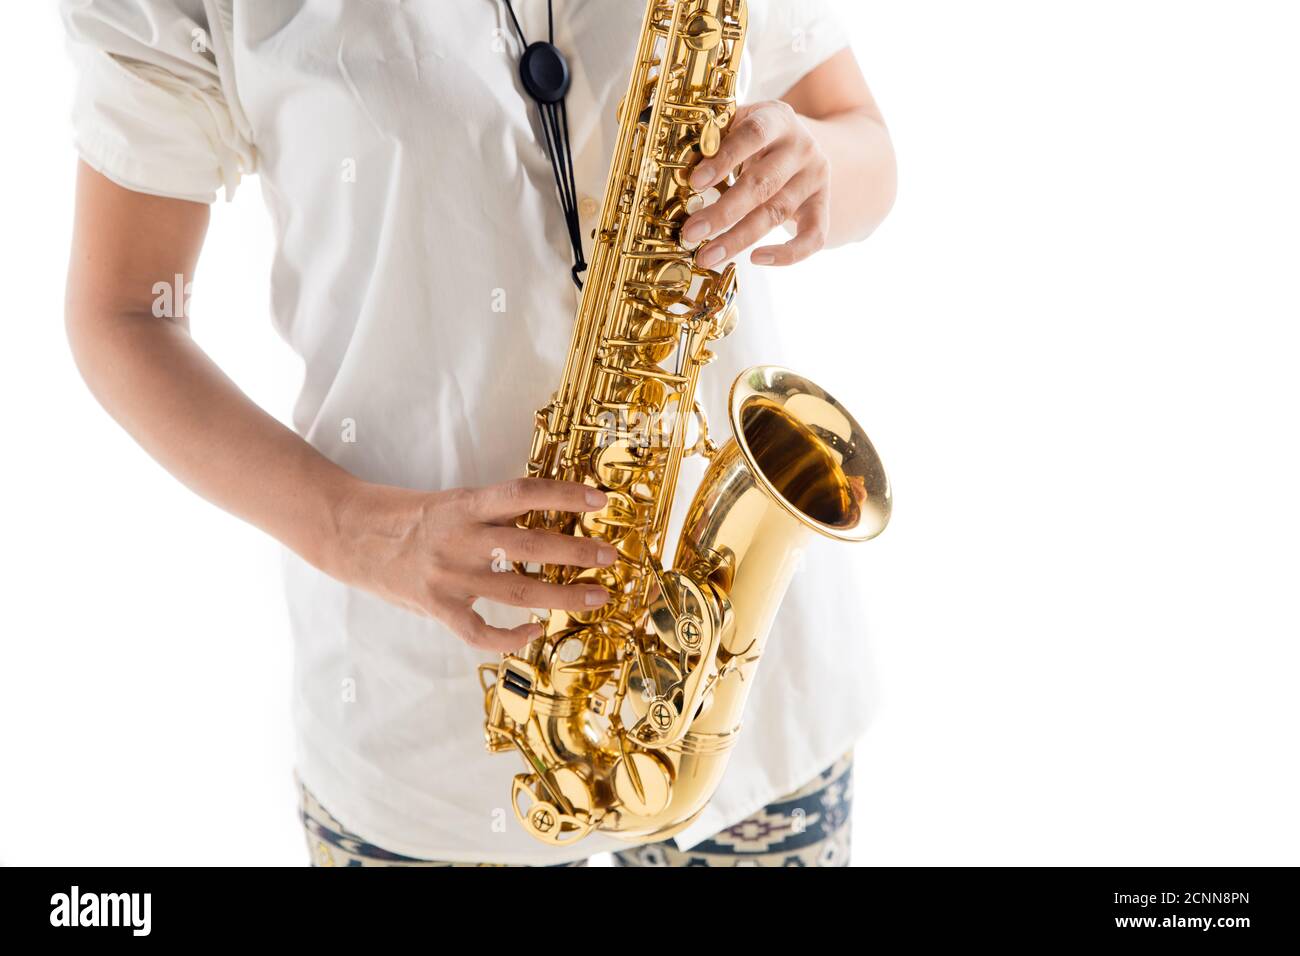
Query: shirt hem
[319, 776]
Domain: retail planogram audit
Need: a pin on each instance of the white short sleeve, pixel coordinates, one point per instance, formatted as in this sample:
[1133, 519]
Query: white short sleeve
[787, 40]
[155, 109]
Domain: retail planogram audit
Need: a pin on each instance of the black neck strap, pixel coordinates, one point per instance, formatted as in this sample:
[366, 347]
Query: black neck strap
[545, 75]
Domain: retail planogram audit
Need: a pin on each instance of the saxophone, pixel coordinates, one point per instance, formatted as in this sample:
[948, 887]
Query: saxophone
[624, 715]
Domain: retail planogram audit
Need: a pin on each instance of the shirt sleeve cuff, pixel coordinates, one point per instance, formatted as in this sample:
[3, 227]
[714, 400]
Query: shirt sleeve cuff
[130, 171]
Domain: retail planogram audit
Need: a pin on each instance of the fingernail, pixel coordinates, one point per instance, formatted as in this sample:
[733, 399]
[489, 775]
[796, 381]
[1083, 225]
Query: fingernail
[763, 259]
[596, 499]
[596, 597]
[710, 257]
[606, 555]
[696, 231]
[704, 176]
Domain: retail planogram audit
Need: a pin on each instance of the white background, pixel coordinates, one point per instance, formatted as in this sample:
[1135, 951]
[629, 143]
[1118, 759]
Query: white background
[1074, 342]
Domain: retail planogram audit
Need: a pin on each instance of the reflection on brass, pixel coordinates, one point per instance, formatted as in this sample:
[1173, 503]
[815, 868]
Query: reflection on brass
[624, 715]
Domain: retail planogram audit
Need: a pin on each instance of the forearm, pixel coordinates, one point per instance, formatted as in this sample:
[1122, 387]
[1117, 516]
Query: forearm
[159, 385]
[431, 553]
[863, 173]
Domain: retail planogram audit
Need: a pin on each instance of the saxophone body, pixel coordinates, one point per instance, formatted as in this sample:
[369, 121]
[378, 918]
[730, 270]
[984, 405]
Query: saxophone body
[625, 715]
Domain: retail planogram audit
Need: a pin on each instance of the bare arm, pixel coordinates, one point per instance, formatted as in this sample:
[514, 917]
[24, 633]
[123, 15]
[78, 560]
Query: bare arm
[819, 158]
[836, 105]
[160, 386]
[428, 552]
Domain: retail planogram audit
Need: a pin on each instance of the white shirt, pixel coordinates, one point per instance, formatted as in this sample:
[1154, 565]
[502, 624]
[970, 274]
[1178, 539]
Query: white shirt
[422, 274]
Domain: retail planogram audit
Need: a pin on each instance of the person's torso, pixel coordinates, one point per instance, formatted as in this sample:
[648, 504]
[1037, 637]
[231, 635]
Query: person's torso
[423, 274]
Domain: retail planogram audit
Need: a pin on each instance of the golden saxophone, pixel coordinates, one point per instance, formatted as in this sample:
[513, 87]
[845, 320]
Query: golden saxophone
[625, 715]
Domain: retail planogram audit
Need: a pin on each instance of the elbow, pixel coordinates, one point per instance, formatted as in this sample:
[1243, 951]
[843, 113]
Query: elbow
[888, 184]
[96, 333]
[77, 328]
[864, 195]
[881, 189]
[105, 328]
[88, 327]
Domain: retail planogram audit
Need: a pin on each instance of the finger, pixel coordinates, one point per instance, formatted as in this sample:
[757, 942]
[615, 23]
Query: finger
[750, 133]
[476, 632]
[761, 220]
[519, 590]
[510, 499]
[761, 182]
[812, 221]
[544, 547]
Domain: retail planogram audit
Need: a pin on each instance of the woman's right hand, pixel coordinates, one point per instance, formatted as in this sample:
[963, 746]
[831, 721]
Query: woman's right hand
[437, 552]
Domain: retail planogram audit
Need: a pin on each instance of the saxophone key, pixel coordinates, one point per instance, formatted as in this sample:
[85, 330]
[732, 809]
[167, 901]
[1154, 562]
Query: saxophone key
[702, 32]
[643, 783]
[556, 810]
[710, 138]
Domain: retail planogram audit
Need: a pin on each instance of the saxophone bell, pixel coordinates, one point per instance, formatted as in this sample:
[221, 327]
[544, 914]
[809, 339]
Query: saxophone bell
[797, 465]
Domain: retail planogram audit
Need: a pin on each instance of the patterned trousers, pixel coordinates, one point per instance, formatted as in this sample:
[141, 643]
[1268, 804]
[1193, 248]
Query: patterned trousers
[809, 827]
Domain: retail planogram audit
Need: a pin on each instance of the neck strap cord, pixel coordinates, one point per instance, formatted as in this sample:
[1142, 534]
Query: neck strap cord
[545, 75]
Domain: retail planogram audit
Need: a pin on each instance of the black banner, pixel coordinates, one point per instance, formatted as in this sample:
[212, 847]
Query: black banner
[1222, 907]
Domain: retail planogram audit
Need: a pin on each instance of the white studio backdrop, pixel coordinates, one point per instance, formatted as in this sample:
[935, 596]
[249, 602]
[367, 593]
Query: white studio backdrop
[1074, 343]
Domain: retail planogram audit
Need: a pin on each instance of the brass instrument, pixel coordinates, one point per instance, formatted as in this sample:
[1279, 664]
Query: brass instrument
[625, 714]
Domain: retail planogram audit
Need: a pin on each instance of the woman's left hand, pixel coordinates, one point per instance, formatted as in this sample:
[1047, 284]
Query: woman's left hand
[786, 178]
